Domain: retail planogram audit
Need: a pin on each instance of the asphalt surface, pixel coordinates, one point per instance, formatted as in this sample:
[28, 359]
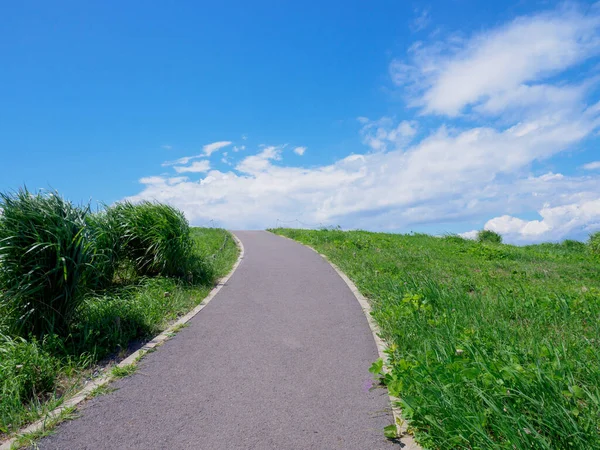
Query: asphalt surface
[278, 360]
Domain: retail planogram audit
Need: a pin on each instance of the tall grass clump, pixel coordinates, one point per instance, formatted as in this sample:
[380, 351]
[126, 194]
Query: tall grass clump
[105, 244]
[489, 236]
[154, 237]
[44, 254]
[27, 371]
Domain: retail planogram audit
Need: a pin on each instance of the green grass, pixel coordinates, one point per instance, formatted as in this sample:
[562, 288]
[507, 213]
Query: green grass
[491, 346]
[98, 391]
[123, 371]
[35, 374]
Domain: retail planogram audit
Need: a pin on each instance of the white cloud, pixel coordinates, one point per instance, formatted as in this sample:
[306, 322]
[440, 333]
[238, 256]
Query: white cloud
[182, 160]
[299, 150]
[176, 180]
[209, 149]
[160, 181]
[420, 22]
[239, 148]
[595, 165]
[151, 180]
[380, 134]
[550, 176]
[225, 159]
[537, 97]
[575, 219]
[261, 161]
[472, 235]
[167, 147]
[449, 176]
[498, 63]
[195, 167]
[507, 225]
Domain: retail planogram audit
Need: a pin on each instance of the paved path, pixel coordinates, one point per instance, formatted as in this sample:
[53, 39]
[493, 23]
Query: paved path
[278, 360]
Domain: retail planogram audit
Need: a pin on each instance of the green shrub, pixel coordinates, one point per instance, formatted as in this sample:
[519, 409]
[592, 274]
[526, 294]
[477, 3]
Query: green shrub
[26, 372]
[44, 253]
[489, 236]
[155, 237]
[594, 242]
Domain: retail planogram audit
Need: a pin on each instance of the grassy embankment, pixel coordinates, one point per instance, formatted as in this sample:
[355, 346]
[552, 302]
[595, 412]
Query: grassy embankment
[491, 346]
[77, 288]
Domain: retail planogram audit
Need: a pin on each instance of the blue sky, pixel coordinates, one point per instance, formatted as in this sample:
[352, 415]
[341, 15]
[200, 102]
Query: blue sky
[444, 116]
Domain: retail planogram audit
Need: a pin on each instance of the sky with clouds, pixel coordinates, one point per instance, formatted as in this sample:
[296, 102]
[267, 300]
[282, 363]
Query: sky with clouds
[445, 117]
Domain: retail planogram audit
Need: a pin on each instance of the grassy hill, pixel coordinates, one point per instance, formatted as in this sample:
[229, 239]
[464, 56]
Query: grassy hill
[490, 345]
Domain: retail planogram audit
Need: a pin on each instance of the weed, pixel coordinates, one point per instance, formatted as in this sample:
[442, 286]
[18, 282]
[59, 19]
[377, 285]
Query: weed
[391, 432]
[124, 371]
[177, 328]
[103, 389]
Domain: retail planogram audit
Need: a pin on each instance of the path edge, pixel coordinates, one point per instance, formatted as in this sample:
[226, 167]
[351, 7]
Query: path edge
[106, 378]
[407, 440]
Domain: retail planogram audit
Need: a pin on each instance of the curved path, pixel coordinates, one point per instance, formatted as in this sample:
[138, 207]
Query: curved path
[278, 360]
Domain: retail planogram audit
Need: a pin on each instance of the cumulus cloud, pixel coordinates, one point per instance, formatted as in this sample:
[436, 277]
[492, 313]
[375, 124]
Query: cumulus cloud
[195, 167]
[493, 66]
[570, 220]
[384, 133]
[209, 149]
[299, 150]
[469, 234]
[457, 171]
[595, 165]
[260, 162]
